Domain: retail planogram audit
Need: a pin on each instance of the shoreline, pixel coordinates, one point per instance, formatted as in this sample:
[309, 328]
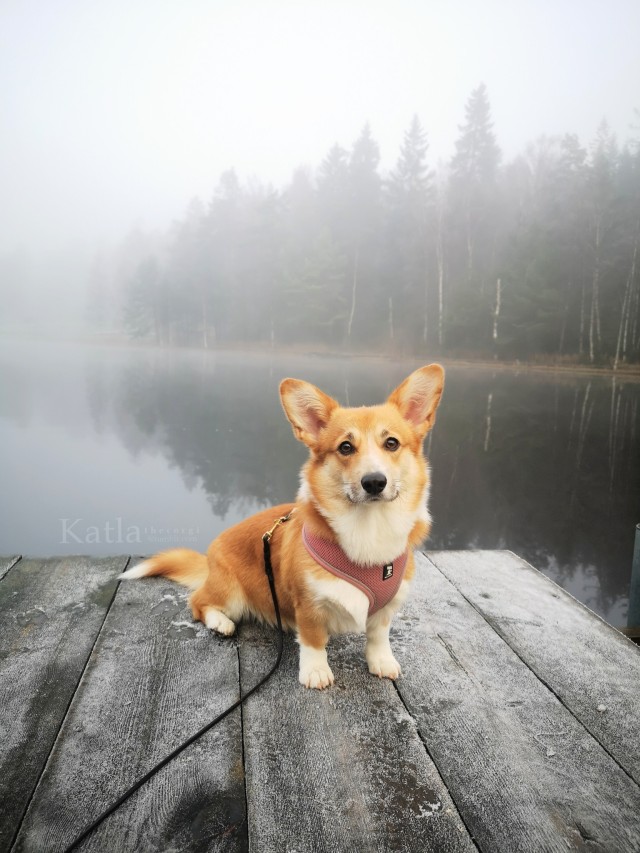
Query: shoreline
[624, 371]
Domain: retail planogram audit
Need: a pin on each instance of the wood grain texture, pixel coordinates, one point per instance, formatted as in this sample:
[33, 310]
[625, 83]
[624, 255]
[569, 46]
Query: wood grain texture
[50, 614]
[487, 646]
[337, 770]
[525, 774]
[6, 563]
[593, 668]
[154, 678]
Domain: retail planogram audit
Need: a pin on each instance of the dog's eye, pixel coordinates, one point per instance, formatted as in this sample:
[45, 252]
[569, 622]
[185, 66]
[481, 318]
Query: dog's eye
[346, 448]
[392, 443]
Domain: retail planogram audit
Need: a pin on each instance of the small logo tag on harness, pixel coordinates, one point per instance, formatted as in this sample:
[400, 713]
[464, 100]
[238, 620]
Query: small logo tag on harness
[387, 571]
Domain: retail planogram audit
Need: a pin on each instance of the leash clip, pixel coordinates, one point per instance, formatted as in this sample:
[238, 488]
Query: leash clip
[266, 537]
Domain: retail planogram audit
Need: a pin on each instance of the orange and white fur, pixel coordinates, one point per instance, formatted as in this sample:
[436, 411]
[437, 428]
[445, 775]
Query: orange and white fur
[348, 448]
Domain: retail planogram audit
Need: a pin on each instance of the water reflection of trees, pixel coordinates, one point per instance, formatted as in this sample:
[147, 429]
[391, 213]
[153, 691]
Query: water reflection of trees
[558, 480]
[222, 431]
[546, 466]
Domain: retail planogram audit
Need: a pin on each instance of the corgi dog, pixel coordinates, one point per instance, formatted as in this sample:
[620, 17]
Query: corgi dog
[343, 561]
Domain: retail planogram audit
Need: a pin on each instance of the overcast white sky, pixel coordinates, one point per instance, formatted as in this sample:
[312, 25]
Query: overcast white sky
[116, 113]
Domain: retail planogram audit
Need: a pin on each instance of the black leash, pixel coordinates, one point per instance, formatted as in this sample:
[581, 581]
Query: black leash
[266, 541]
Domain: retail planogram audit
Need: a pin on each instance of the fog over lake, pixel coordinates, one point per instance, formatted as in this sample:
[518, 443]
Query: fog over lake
[112, 450]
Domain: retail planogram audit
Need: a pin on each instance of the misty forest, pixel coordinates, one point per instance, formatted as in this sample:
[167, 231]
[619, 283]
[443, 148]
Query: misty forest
[532, 259]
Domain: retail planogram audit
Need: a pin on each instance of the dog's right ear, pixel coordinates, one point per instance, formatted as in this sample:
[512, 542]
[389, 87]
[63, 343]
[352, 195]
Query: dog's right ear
[307, 408]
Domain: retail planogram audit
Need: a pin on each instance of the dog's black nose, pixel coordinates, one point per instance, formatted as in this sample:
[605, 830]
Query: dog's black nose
[374, 483]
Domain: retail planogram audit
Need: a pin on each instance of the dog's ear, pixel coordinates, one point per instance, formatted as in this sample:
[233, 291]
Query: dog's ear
[418, 396]
[307, 408]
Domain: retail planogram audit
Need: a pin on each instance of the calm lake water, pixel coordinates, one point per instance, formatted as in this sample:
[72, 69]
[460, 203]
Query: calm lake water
[111, 451]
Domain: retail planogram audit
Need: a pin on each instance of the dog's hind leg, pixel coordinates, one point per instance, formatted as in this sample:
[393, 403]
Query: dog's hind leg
[216, 620]
[215, 610]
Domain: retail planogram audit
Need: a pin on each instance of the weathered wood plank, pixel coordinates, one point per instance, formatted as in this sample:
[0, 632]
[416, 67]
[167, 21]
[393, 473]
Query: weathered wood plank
[524, 773]
[338, 770]
[593, 668]
[6, 563]
[50, 613]
[153, 679]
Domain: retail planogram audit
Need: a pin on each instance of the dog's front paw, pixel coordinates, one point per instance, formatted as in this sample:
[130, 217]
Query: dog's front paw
[314, 667]
[319, 676]
[384, 666]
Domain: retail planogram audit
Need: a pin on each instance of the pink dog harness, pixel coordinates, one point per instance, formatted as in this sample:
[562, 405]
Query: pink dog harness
[379, 583]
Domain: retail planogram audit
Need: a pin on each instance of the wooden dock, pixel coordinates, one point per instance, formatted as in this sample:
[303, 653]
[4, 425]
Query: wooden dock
[515, 725]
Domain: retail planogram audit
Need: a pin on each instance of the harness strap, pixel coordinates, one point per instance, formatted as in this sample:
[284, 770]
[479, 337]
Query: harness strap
[379, 582]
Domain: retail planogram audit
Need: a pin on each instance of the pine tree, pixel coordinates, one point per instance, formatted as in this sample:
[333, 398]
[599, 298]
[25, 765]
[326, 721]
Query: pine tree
[143, 312]
[224, 249]
[473, 176]
[600, 201]
[477, 156]
[333, 193]
[472, 223]
[411, 178]
[410, 233]
[363, 227]
[313, 294]
[627, 343]
[188, 277]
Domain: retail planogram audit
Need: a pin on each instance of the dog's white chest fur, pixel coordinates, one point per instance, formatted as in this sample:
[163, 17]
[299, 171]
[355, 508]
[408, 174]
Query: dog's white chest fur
[346, 606]
[372, 533]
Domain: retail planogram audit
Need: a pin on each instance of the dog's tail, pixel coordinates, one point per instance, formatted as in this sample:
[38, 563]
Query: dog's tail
[180, 564]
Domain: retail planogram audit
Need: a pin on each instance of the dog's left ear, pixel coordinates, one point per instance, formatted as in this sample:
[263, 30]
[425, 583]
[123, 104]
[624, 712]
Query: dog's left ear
[418, 396]
[307, 408]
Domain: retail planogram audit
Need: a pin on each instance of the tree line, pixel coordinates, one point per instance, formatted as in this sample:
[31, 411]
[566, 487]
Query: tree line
[537, 257]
